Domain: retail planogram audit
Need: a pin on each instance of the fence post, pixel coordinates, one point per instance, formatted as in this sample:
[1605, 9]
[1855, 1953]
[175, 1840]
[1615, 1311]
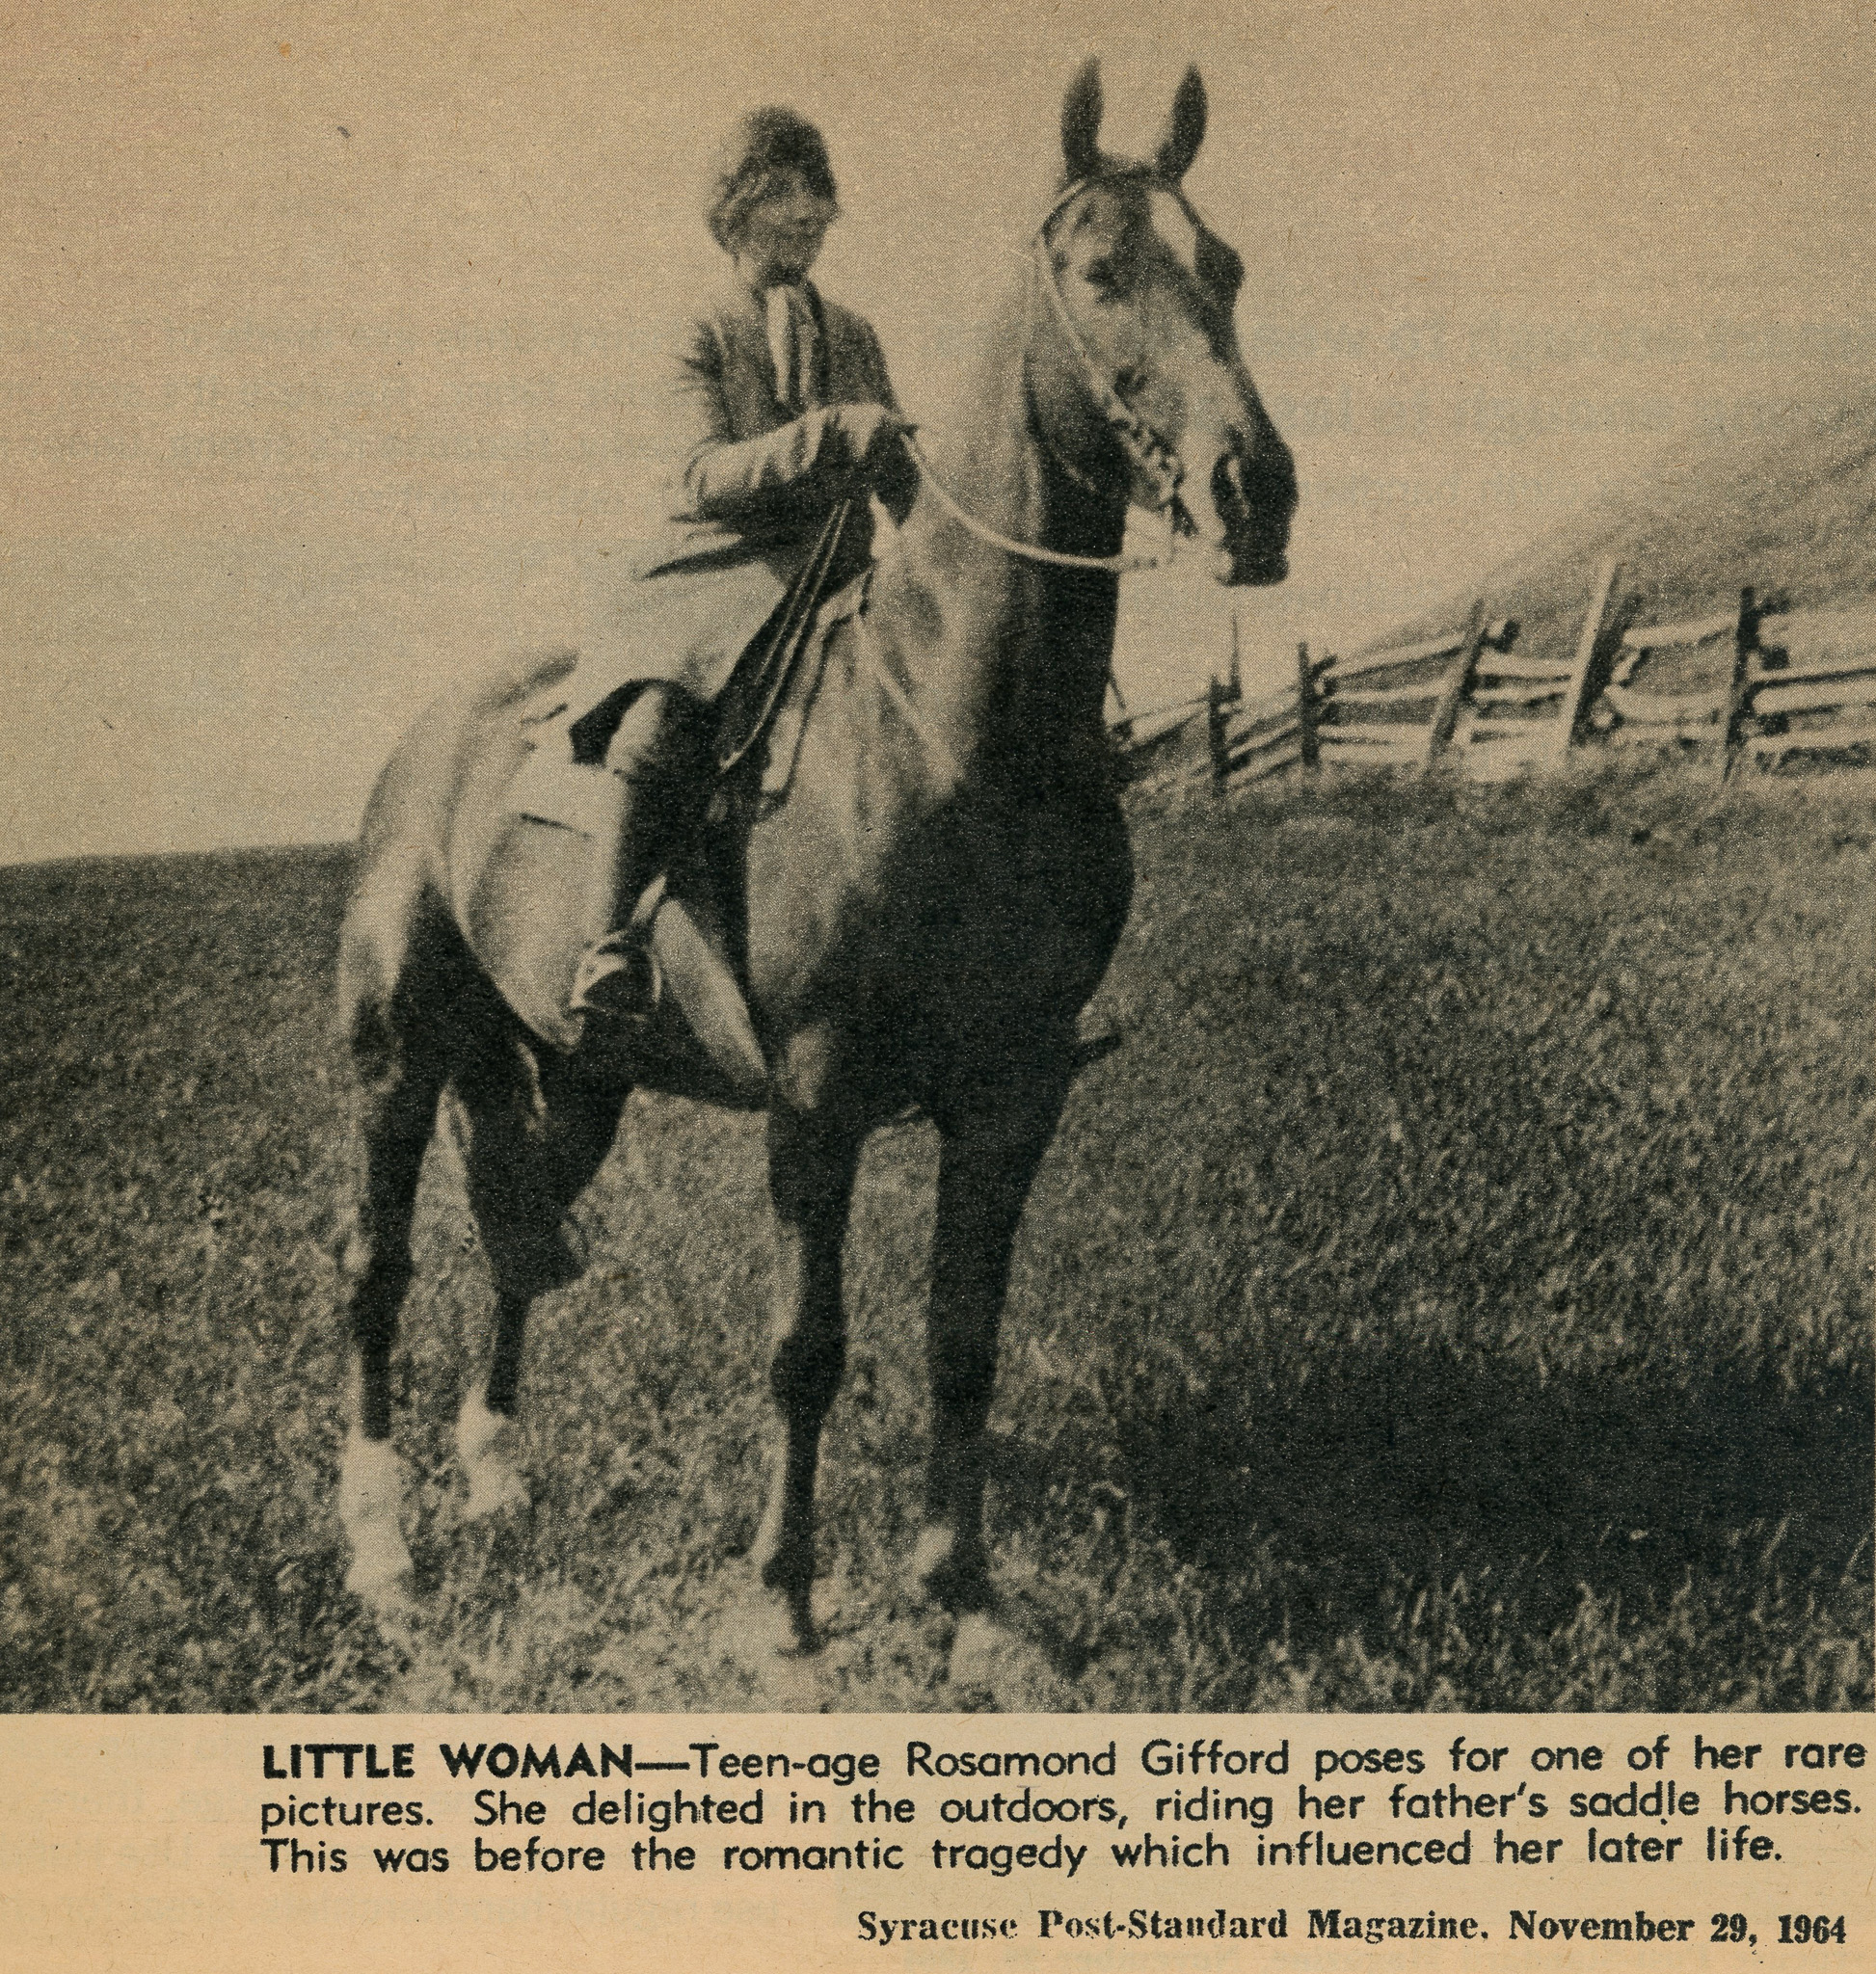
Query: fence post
[1588, 645]
[1121, 730]
[1459, 682]
[1306, 705]
[1215, 698]
[1739, 693]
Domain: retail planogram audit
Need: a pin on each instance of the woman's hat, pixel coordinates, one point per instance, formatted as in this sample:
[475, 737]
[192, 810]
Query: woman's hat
[765, 142]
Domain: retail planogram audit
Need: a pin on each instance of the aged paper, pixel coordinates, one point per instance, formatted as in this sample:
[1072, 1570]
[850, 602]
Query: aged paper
[1415, 1540]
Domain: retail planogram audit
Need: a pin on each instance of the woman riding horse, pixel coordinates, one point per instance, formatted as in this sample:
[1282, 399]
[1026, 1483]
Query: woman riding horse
[919, 922]
[776, 409]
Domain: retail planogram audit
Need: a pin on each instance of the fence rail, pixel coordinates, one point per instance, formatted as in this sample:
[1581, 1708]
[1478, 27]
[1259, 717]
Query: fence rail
[1794, 682]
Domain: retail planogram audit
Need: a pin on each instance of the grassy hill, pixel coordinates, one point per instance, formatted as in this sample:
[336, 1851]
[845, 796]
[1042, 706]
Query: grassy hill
[1454, 1292]
[1780, 495]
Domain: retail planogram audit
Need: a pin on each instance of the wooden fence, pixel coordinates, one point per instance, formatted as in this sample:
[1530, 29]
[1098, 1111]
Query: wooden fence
[1793, 683]
[1799, 682]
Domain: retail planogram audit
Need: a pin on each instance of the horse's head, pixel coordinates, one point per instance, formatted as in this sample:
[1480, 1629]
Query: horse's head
[1135, 371]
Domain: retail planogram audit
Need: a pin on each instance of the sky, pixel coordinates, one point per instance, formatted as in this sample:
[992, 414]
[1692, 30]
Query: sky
[323, 323]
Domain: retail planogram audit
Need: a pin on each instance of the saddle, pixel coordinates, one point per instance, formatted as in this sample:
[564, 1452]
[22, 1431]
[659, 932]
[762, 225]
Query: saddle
[520, 877]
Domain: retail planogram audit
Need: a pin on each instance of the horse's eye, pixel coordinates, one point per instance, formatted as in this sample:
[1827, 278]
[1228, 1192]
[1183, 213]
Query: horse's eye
[1103, 274]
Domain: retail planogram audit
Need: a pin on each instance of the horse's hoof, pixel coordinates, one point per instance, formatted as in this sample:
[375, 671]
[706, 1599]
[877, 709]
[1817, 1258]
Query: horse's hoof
[766, 1623]
[389, 1594]
[486, 1443]
[770, 1638]
[991, 1664]
[953, 1573]
[494, 1488]
[370, 1492]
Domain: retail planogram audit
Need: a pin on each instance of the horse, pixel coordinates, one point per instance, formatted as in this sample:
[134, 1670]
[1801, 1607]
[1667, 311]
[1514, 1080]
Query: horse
[922, 919]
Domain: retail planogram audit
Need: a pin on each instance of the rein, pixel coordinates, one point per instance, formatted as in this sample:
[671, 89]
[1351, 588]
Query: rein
[1029, 551]
[1157, 463]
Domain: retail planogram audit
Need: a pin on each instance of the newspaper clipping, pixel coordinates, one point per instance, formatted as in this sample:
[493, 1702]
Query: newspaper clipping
[939, 948]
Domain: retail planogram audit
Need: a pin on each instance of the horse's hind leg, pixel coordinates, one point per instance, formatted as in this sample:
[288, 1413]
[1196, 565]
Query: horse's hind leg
[531, 1139]
[810, 1168]
[397, 1110]
[987, 1160]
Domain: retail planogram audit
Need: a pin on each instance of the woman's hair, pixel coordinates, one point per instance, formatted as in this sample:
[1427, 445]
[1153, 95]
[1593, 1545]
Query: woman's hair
[762, 145]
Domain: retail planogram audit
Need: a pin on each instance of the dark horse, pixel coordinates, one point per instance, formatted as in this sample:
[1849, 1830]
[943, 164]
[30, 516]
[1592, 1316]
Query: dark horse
[925, 914]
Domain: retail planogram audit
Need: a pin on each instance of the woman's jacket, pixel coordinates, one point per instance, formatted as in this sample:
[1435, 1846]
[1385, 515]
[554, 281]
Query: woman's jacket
[748, 485]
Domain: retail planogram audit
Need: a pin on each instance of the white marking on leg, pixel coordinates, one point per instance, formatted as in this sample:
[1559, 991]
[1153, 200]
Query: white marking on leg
[370, 1494]
[931, 1555]
[488, 1445]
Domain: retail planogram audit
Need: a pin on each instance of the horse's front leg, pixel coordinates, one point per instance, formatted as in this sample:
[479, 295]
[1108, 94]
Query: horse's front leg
[810, 1167]
[988, 1157]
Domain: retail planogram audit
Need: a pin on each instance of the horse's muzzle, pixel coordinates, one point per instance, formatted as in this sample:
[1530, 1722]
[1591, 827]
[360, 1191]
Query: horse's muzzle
[1255, 499]
[1258, 572]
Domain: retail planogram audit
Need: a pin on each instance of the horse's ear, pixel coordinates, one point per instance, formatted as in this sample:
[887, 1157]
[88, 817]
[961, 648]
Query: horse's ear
[1081, 121]
[1185, 129]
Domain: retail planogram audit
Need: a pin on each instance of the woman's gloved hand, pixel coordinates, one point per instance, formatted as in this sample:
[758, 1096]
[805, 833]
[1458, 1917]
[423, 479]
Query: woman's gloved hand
[872, 436]
[868, 433]
[829, 452]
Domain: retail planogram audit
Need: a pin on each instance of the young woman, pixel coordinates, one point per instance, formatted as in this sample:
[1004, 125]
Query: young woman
[774, 406]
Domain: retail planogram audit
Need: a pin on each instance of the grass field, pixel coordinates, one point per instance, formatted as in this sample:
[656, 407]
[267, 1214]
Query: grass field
[1454, 1292]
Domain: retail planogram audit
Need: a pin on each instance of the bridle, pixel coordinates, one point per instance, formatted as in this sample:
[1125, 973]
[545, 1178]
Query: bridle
[1155, 462]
